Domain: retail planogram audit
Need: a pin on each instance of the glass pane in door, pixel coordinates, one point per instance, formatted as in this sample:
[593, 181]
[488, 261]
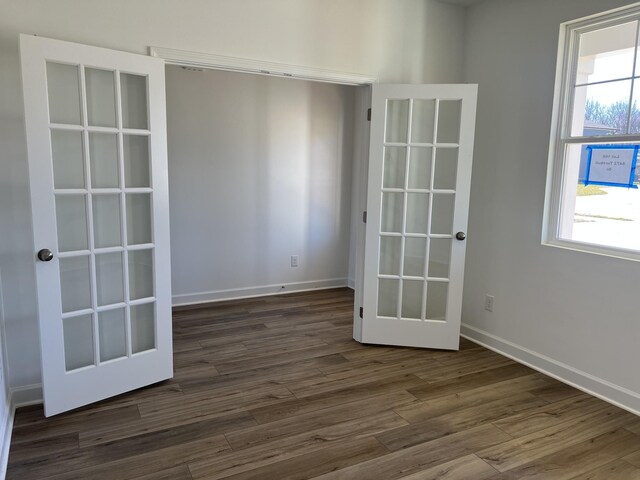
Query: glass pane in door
[415, 250]
[136, 161]
[103, 152]
[75, 283]
[68, 159]
[423, 121]
[437, 300]
[106, 221]
[143, 327]
[112, 333]
[420, 168]
[78, 341]
[412, 299]
[449, 121]
[446, 169]
[138, 218]
[388, 297]
[390, 248]
[71, 218]
[140, 274]
[439, 257]
[397, 124]
[101, 97]
[134, 101]
[394, 167]
[109, 278]
[63, 88]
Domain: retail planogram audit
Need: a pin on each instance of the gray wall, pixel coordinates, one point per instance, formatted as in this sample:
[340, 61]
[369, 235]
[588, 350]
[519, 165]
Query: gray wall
[259, 170]
[575, 313]
[397, 41]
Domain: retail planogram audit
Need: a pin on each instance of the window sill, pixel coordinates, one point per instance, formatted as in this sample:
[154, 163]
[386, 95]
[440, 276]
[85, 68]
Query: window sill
[593, 249]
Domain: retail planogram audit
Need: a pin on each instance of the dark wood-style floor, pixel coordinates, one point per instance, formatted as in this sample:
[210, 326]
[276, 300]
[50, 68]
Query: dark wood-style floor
[275, 388]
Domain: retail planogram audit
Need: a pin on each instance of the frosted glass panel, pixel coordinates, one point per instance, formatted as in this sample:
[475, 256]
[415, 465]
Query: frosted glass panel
[439, 257]
[140, 274]
[437, 300]
[112, 329]
[103, 152]
[423, 121]
[417, 212]
[75, 283]
[106, 220]
[109, 275]
[68, 163]
[412, 298]
[390, 255]
[420, 167]
[444, 177]
[388, 297]
[134, 101]
[78, 341]
[143, 334]
[397, 121]
[449, 121]
[442, 213]
[101, 97]
[71, 219]
[394, 167]
[138, 218]
[392, 208]
[63, 87]
[415, 250]
[136, 161]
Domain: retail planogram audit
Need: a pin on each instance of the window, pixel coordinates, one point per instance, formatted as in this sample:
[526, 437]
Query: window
[593, 199]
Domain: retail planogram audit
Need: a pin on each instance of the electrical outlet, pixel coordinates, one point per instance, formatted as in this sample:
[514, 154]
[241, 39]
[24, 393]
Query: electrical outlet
[488, 303]
[294, 260]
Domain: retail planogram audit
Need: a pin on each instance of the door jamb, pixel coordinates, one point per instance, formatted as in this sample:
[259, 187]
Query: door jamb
[200, 60]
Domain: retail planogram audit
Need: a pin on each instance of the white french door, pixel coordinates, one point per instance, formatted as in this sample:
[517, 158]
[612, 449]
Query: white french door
[96, 137]
[420, 158]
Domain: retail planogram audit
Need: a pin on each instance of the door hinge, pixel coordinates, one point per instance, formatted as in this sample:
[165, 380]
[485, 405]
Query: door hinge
[364, 216]
[361, 312]
[369, 114]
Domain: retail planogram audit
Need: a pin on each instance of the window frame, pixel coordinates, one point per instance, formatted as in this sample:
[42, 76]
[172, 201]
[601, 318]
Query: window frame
[563, 103]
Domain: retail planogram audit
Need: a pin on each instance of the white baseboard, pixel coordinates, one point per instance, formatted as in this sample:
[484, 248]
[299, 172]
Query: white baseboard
[260, 291]
[26, 395]
[598, 387]
[351, 283]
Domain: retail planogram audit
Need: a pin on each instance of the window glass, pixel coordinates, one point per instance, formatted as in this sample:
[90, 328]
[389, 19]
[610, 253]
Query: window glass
[597, 199]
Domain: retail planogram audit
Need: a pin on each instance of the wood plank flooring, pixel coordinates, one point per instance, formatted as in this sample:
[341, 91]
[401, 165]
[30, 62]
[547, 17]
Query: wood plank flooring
[275, 388]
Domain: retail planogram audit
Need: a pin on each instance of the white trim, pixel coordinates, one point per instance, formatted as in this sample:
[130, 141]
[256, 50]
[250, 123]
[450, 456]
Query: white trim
[249, 65]
[598, 387]
[351, 283]
[7, 425]
[26, 395]
[258, 291]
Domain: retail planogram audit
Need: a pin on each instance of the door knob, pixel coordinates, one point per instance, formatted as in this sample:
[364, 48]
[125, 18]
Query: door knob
[45, 255]
[461, 236]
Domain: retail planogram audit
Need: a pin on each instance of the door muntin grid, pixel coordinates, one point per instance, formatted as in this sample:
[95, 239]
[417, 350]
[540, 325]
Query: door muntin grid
[417, 198]
[102, 193]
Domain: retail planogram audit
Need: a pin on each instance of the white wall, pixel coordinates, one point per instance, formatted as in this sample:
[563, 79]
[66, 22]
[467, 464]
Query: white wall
[576, 313]
[259, 170]
[394, 40]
